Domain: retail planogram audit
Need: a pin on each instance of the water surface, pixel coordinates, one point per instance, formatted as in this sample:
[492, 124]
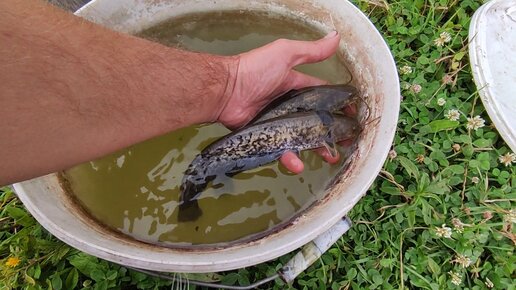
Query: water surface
[136, 190]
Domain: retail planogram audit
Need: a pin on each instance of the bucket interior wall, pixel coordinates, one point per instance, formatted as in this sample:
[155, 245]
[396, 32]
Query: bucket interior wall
[374, 74]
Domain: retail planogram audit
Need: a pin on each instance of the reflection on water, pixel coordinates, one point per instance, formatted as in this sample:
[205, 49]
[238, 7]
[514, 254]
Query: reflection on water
[136, 190]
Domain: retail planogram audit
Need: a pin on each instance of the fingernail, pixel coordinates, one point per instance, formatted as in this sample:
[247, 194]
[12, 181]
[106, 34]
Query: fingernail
[331, 34]
[298, 165]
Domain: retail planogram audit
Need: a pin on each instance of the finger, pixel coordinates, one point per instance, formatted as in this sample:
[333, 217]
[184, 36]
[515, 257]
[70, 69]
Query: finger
[292, 162]
[323, 152]
[346, 143]
[300, 52]
[297, 80]
[327, 155]
[350, 110]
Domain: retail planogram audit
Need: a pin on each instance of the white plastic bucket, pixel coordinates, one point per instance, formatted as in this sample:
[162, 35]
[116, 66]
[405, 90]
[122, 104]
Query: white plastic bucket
[374, 73]
[492, 37]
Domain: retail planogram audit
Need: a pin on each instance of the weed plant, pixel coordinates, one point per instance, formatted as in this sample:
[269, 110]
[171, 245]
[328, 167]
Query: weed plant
[440, 215]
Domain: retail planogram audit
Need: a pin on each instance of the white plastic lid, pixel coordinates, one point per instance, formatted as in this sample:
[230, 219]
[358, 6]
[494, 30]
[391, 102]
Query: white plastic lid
[492, 53]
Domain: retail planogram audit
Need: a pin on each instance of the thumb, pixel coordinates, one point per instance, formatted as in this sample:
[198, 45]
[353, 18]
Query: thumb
[301, 52]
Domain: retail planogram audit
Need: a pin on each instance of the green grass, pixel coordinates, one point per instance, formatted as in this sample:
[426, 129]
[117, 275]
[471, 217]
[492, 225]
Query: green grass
[442, 178]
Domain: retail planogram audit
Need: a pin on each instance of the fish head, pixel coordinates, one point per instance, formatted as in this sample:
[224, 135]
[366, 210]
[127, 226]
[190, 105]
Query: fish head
[335, 97]
[344, 128]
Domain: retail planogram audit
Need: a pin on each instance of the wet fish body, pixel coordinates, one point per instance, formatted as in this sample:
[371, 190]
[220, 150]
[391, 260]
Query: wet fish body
[257, 145]
[317, 98]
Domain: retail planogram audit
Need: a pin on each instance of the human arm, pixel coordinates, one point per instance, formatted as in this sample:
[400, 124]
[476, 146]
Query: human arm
[73, 91]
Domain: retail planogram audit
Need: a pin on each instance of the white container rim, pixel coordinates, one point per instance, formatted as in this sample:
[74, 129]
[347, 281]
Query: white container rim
[375, 75]
[492, 38]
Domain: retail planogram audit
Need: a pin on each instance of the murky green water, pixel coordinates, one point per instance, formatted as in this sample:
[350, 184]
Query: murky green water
[136, 190]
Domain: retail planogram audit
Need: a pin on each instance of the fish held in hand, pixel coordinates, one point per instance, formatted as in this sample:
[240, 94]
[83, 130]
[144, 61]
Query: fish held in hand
[260, 144]
[329, 98]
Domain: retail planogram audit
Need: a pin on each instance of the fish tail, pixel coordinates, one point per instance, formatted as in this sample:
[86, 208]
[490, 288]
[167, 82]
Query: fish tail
[189, 209]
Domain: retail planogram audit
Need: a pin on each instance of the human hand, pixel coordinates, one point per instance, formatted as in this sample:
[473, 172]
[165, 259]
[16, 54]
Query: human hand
[266, 72]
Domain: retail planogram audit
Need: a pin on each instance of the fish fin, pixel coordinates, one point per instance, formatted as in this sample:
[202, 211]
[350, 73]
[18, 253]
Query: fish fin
[326, 118]
[330, 145]
[332, 148]
[190, 190]
[188, 207]
[209, 178]
[328, 141]
[237, 168]
[189, 211]
[231, 174]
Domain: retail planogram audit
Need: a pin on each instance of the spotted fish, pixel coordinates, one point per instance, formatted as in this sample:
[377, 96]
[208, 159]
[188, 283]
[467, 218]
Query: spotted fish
[260, 144]
[317, 98]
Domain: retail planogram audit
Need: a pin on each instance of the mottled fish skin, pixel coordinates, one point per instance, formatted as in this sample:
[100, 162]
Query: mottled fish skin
[318, 98]
[257, 145]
